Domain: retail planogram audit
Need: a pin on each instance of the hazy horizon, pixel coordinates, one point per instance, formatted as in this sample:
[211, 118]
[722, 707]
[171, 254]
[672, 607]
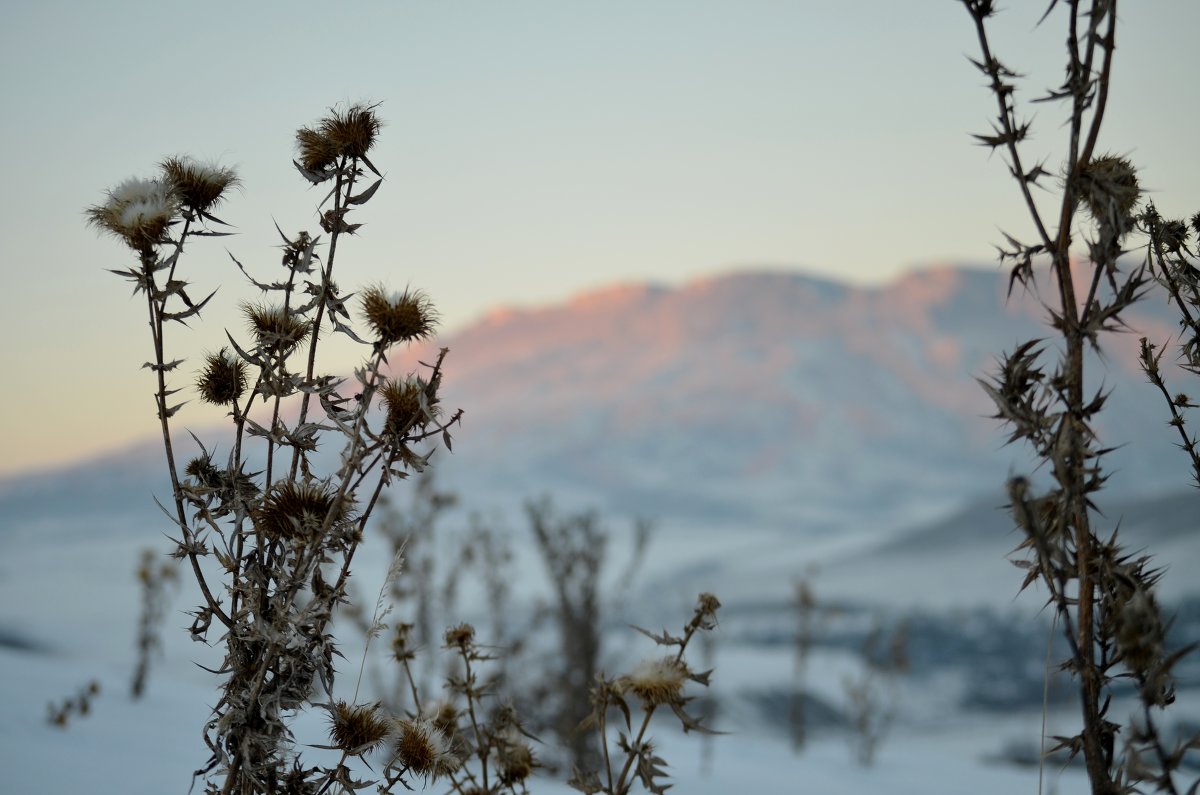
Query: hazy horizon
[532, 151]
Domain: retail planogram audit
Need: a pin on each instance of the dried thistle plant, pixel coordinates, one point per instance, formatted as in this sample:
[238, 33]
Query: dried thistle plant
[655, 682]
[59, 715]
[872, 692]
[156, 578]
[283, 537]
[1103, 596]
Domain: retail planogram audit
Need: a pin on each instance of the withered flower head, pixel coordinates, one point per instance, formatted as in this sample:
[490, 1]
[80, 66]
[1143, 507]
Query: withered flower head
[274, 328]
[317, 152]
[398, 317]
[223, 379]
[423, 749]
[352, 132]
[1139, 634]
[199, 186]
[444, 716]
[138, 211]
[297, 510]
[657, 681]
[356, 729]
[405, 402]
[514, 758]
[349, 133]
[460, 637]
[1108, 185]
[202, 470]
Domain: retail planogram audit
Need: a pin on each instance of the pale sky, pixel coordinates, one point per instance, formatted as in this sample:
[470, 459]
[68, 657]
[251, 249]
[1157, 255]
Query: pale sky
[533, 150]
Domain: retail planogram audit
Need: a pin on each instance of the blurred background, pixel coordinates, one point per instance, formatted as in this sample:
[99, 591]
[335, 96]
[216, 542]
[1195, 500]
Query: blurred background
[720, 270]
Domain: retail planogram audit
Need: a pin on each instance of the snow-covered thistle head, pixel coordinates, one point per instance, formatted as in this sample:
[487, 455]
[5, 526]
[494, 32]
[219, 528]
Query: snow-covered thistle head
[138, 211]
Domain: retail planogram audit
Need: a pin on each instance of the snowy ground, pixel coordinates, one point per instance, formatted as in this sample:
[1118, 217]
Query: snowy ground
[67, 591]
[152, 746]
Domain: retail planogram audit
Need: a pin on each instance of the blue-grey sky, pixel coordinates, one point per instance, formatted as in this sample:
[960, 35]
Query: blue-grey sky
[533, 149]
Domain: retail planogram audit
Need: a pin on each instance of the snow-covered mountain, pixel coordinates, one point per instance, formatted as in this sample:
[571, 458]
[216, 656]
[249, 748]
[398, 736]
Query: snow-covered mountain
[770, 399]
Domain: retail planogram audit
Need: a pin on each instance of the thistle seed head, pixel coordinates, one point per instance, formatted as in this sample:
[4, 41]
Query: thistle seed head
[349, 133]
[514, 759]
[444, 716]
[460, 637]
[138, 211]
[1108, 185]
[402, 317]
[657, 681]
[405, 402]
[1139, 633]
[297, 511]
[275, 329]
[199, 186]
[352, 132]
[356, 729]
[223, 379]
[423, 749]
[317, 152]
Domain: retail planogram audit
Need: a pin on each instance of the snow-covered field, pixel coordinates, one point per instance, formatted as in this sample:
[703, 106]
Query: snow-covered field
[68, 594]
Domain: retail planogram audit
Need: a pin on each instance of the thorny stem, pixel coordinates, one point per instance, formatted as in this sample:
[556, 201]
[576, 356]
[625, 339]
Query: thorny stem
[1150, 367]
[480, 746]
[155, 308]
[326, 280]
[1069, 466]
[648, 711]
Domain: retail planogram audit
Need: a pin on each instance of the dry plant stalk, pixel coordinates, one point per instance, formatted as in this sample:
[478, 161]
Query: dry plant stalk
[155, 580]
[282, 538]
[1103, 597]
[872, 694]
[1172, 248]
[655, 682]
[80, 704]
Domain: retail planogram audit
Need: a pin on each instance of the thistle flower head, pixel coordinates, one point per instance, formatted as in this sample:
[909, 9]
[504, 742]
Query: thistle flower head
[407, 402]
[274, 328]
[460, 637]
[423, 749]
[444, 716]
[138, 211]
[199, 186]
[297, 510]
[1139, 634]
[1108, 185]
[317, 152]
[223, 379]
[657, 681]
[513, 757]
[350, 133]
[201, 470]
[356, 729]
[398, 317]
